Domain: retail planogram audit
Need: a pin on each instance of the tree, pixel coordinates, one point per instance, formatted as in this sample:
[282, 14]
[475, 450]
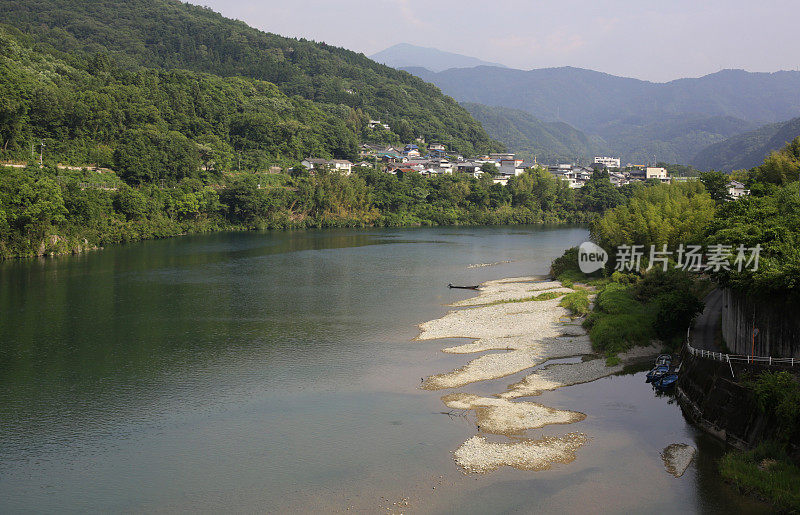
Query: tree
[675, 312]
[598, 194]
[668, 214]
[31, 206]
[147, 156]
[716, 184]
[216, 155]
[131, 203]
[405, 131]
[489, 168]
[781, 167]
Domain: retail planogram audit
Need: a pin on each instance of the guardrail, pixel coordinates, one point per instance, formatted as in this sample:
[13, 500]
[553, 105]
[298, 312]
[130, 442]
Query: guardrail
[737, 358]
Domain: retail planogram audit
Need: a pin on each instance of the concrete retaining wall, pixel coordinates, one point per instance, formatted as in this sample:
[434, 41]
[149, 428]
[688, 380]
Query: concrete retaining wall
[778, 324]
[712, 400]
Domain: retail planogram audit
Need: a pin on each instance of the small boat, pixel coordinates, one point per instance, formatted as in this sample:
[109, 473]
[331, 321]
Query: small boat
[664, 359]
[667, 381]
[463, 287]
[657, 373]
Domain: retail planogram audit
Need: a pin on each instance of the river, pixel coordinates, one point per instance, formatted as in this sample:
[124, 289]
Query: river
[277, 372]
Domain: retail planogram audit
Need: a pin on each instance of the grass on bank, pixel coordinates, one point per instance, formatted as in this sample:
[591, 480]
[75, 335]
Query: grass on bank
[569, 278]
[549, 295]
[619, 321]
[576, 302]
[767, 472]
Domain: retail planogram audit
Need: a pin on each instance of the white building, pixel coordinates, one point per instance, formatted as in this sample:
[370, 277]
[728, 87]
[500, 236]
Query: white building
[312, 162]
[342, 166]
[618, 179]
[736, 189]
[656, 173]
[608, 162]
[377, 123]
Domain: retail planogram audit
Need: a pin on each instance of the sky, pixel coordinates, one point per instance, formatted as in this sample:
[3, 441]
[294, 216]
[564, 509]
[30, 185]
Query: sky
[652, 40]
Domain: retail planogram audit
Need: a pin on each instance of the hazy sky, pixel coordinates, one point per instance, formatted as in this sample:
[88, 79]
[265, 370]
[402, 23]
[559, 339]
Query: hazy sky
[654, 40]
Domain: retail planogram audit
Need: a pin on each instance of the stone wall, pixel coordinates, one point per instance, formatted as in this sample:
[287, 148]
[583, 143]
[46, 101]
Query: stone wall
[778, 324]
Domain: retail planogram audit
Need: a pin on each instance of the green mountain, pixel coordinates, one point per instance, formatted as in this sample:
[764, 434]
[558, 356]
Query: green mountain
[525, 134]
[747, 150]
[638, 119]
[78, 74]
[669, 138]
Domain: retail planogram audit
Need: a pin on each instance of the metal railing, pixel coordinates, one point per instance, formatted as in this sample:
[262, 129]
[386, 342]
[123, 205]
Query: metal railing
[738, 358]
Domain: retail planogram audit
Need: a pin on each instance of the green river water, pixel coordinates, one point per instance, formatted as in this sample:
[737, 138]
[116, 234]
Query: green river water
[277, 372]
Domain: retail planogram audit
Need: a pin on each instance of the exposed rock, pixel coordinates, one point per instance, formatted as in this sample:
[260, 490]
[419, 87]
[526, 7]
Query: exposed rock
[677, 458]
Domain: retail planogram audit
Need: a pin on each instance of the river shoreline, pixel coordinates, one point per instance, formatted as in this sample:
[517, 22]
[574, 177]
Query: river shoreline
[61, 245]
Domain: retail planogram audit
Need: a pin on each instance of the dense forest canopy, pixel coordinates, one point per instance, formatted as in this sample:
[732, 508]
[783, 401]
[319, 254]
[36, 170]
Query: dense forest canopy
[91, 36]
[92, 111]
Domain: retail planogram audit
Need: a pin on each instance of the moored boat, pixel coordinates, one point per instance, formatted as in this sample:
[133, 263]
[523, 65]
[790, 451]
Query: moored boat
[667, 381]
[657, 373]
[664, 359]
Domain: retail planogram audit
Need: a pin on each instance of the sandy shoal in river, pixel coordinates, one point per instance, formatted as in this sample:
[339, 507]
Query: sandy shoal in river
[514, 333]
[529, 333]
[479, 455]
[501, 416]
[568, 374]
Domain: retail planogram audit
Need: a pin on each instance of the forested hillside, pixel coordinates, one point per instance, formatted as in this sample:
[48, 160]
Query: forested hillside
[744, 151]
[525, 134]
[101, 45]
[156, 124]
[669, 138]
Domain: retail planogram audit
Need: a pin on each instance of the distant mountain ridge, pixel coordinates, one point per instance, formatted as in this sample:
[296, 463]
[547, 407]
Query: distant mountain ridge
[641, 120]
[590, 100]
[747, 150]
[404, 55]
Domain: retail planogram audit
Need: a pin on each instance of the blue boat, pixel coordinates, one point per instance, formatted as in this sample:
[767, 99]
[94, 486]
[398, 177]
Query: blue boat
[657, 373]
[664, 359]
[667, 381]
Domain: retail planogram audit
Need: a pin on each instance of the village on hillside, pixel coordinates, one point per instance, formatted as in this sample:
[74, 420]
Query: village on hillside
[500, 166]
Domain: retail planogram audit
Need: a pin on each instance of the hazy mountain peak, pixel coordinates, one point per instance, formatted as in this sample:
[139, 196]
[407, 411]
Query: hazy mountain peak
[406, 55]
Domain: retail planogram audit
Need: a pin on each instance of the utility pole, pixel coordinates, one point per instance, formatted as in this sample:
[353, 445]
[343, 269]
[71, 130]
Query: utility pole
[41, 153]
